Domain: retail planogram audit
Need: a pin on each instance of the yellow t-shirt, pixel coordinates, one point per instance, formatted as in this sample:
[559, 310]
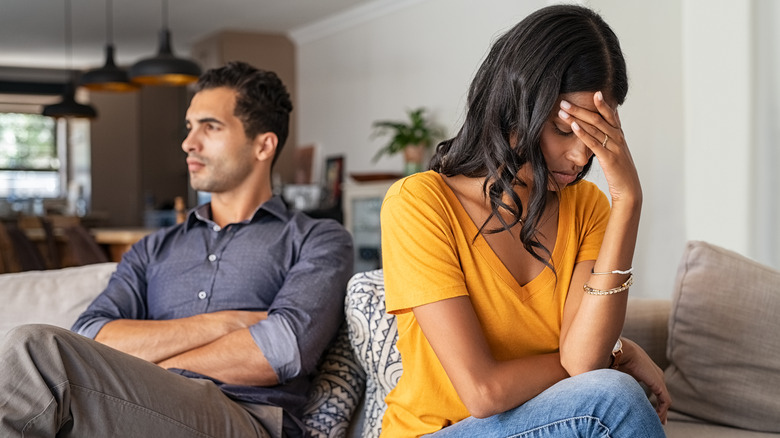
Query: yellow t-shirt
[429, 254]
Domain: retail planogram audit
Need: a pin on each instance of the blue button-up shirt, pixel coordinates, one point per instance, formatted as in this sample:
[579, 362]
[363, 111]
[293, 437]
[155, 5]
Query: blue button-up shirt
[292, 266]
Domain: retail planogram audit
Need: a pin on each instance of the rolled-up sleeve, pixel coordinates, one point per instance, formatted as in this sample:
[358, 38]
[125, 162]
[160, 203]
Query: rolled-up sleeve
[308, 309]
[123, 297]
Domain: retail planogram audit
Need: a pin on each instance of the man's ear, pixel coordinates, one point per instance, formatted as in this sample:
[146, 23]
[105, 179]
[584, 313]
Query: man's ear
[265, 146]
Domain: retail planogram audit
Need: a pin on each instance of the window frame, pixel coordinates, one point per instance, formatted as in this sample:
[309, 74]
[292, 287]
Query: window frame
[33, 104]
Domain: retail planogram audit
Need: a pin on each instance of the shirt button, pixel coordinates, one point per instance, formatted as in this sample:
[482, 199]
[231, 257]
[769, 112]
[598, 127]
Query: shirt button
[217, 228]
[212, 257]
[202, 295]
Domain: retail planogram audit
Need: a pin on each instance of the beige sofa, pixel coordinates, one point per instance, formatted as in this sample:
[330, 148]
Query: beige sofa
[717, 340]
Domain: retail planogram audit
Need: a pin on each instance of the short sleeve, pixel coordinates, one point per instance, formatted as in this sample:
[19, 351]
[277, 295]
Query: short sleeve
[419, 252]
[592, 214]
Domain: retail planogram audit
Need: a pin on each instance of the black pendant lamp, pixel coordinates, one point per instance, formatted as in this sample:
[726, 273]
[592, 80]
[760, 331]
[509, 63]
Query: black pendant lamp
[68, 107]
[164, 68]
[109, 77]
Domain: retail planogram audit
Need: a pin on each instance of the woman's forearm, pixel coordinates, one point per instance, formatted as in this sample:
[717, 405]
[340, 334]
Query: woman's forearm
[596, 324]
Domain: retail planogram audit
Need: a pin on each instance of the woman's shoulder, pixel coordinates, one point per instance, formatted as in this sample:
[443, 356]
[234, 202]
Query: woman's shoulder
[584, 190]
[585, 198]
[423, 184]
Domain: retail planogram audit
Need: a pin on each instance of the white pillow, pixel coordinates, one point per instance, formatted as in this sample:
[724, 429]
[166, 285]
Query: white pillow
[55, 297]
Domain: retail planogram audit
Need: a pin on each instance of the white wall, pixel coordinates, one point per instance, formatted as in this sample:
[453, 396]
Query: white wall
[422, 54]
[719, 140]
[652, 119]
[766, 217]
[685, 116]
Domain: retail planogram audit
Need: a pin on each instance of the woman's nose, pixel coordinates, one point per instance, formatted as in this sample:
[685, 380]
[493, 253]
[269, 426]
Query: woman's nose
[579, 154]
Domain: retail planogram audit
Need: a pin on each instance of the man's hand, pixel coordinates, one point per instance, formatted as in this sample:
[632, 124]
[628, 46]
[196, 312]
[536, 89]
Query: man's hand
[220, 360]
[238, 319]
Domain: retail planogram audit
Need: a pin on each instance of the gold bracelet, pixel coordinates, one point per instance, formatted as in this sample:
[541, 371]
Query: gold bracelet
[616, 271]
[615, 290]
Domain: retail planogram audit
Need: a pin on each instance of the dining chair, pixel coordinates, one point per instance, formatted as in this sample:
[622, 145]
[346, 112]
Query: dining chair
[82, 246]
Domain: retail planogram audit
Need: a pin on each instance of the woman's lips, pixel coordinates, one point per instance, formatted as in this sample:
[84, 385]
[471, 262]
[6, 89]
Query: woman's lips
[564, 179]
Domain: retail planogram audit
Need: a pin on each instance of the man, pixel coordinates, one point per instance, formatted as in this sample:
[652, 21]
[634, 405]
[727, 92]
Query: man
[208, 328]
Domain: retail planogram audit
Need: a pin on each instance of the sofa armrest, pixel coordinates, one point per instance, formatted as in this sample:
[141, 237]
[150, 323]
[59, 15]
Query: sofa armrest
[647, 324]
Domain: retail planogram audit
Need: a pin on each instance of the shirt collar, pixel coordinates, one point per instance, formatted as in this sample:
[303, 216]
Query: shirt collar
[274, 206]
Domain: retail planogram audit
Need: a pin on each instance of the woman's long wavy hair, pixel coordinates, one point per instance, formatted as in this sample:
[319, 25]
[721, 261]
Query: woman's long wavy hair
[555, 50]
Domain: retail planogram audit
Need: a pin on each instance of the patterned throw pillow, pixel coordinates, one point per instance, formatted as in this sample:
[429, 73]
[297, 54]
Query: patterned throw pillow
[335, 391]
[373, 334]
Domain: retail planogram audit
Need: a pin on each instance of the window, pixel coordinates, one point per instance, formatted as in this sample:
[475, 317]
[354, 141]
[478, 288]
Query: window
[29, 160]
[44, 163]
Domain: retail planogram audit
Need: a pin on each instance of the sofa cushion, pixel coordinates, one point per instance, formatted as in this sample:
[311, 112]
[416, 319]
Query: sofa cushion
[723, 347]
[336, 390]
[683, 426]
[647, 325]
[55, 297]
[373, 334]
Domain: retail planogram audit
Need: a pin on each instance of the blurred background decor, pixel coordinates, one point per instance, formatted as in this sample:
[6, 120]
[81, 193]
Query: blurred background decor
[412, 137]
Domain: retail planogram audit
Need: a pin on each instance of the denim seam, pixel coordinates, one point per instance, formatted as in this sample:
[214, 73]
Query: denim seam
[564, 420]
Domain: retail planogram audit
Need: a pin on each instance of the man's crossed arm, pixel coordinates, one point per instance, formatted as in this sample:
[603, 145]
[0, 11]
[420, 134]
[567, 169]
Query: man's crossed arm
[216, 344]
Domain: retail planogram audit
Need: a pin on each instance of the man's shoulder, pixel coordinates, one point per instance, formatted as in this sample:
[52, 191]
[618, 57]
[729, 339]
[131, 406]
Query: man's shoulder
[314, 227]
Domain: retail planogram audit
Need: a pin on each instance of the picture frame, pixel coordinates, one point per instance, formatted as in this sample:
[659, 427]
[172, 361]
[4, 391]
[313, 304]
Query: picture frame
[333, 178]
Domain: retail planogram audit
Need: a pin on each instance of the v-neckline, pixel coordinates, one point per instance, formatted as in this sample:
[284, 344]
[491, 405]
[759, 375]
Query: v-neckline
[482, 246]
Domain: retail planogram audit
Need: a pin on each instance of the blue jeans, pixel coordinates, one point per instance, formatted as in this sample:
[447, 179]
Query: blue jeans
[602, 403]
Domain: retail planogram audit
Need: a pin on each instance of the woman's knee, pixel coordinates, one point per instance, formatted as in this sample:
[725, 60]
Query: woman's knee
[614, 392]
[609, 381]
[610, 387]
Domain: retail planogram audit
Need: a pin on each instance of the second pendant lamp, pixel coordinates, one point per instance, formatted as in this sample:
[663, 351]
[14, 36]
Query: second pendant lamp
[164, 68]
[109, 77]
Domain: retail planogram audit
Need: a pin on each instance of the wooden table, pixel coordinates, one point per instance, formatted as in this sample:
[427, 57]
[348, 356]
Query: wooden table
[119, 240]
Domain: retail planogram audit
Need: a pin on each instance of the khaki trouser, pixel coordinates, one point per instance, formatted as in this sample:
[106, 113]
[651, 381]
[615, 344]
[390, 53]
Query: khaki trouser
[55, 382]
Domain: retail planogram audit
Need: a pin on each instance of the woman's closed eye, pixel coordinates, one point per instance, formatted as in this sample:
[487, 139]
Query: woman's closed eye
[563, 131]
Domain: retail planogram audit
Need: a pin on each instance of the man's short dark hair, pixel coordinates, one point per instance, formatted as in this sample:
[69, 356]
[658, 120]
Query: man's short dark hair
[262, 101]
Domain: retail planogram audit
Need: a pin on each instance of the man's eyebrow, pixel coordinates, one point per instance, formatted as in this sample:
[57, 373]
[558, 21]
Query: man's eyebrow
[206, 120]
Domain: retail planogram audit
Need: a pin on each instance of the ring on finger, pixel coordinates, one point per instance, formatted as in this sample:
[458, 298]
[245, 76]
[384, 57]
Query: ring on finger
[604, 143]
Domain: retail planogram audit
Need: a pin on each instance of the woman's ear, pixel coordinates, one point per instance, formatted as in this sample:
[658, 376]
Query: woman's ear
[265, 146]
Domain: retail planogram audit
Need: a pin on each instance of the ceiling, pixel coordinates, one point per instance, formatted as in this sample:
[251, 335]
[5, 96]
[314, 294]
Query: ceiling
[32, 32]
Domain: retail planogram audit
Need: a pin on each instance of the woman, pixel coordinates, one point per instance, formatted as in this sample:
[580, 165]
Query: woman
[508, 274]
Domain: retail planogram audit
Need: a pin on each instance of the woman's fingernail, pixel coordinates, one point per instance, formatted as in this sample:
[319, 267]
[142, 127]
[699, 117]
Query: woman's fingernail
[575, 126]
[599, 96]
[563, 114]
[565, 105]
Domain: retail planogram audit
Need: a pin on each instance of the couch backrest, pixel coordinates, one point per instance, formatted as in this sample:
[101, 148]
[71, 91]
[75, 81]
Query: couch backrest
[647, 324]
[55, 297]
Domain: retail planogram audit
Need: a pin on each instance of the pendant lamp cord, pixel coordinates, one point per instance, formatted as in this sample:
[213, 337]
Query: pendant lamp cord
[68, 37]
[109, 23]
[165, 14]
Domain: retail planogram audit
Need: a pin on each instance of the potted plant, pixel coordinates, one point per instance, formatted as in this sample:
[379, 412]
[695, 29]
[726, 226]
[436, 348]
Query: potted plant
[413, 137]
